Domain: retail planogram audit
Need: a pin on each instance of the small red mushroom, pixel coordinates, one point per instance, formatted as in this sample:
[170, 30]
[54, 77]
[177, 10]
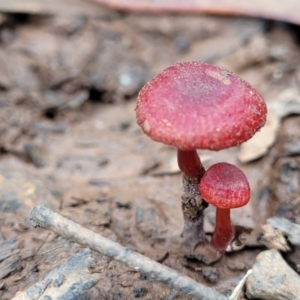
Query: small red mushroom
[224, 186]
[194, 105]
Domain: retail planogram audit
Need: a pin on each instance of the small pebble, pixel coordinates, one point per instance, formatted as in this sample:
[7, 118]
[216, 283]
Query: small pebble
[211, 274]
[140, 292]
[272, 278]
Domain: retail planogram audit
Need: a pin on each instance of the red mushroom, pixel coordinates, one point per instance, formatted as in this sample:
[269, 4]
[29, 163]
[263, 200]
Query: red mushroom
[224, 186]
[193, 105]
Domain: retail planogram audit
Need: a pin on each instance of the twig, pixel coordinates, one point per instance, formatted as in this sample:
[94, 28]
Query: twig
[237, 290]
[44, 217]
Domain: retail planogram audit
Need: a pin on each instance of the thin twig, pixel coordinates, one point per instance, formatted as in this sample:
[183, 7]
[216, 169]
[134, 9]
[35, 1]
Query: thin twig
[237, 290]
[44, 217]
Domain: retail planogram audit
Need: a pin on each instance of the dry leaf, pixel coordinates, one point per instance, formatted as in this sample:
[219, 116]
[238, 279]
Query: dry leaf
[259, 145]
[287, 102]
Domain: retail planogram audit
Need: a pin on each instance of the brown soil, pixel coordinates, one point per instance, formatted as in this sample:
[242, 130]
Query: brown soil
[68, 139]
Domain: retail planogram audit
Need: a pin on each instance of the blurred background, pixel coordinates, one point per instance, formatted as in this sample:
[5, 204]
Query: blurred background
[70, 73]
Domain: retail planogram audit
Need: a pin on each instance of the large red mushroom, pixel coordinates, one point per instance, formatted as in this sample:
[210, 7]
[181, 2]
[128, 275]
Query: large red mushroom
[194, 105]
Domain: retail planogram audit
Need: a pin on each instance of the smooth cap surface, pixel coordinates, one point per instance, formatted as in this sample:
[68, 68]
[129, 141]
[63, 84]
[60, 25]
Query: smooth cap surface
[225, 186]
[193, 105]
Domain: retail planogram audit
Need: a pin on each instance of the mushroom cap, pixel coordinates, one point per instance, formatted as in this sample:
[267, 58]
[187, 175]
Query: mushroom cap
[225, 186]
[194, 105]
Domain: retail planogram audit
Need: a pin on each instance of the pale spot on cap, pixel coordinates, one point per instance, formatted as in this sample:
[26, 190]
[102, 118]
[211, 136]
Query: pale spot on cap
[146, 126]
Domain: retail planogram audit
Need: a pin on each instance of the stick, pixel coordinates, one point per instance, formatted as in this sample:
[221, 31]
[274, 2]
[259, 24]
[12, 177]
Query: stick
[42, 216]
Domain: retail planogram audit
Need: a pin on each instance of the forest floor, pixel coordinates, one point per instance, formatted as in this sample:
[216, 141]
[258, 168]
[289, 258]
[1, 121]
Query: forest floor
[69, 140]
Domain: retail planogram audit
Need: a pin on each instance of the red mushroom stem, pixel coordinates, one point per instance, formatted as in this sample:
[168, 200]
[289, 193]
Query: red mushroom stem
[189, 163]
[224, 231]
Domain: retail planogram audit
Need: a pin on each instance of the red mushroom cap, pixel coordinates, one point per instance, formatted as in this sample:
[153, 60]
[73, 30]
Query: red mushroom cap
[225, 186]
[193, 105]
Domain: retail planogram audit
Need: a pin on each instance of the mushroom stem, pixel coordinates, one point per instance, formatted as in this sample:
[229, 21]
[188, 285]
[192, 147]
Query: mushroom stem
[192, 204]
[189, 163]
[224, 231]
